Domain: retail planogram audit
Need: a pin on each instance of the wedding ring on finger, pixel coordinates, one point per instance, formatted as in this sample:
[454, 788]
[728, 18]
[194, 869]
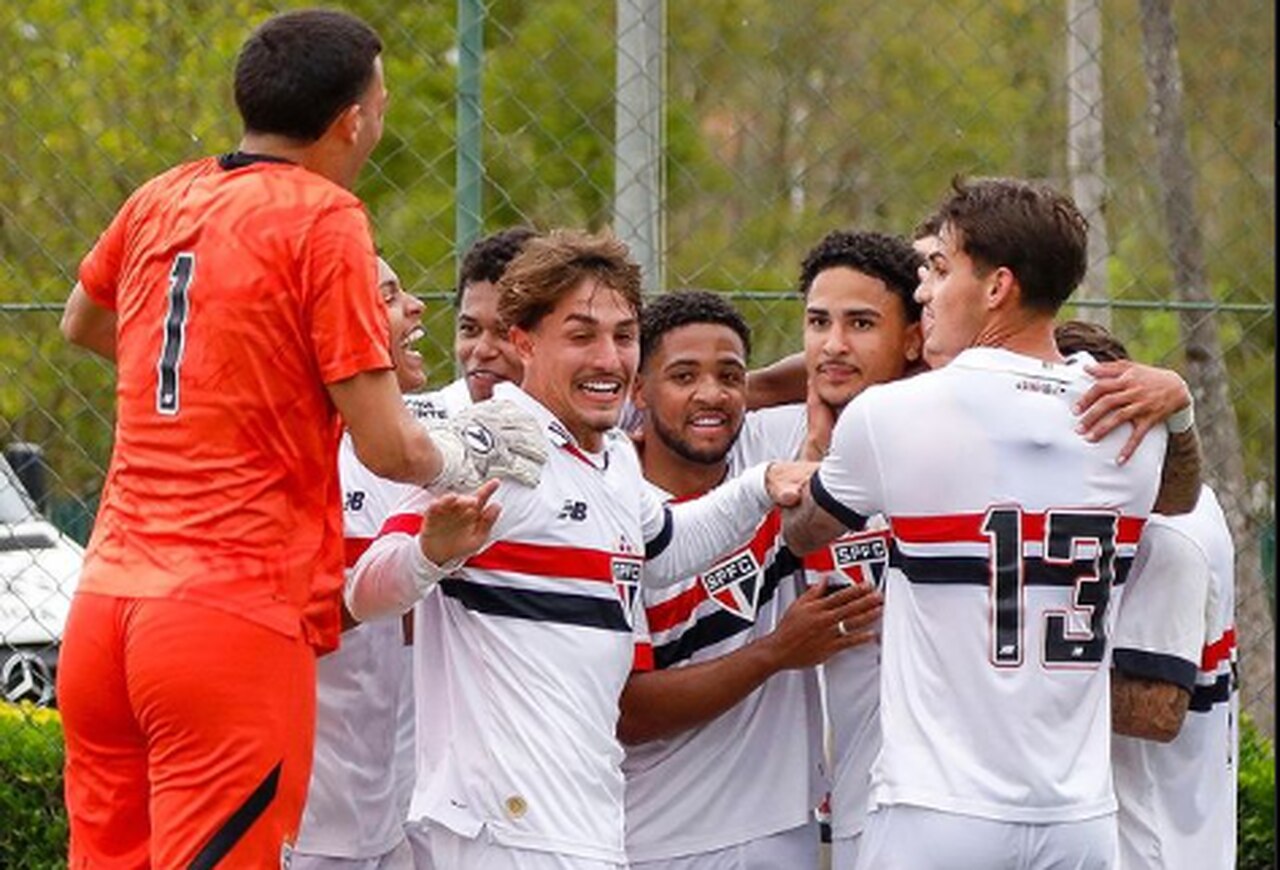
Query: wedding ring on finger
[841, 629]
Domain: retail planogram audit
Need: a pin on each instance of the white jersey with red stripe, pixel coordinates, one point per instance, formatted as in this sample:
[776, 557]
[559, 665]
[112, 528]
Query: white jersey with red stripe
[735, 778]
[1009, 531]
[525, 650]
[851, 678]
[362, 769]
[1177, 625]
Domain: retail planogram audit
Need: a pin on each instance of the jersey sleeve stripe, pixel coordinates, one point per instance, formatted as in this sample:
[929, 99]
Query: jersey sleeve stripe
[546, 560]
[829, 503]
[536, 605]
[1155, 666]
[957, 528]
[1204, 697]
[353, 549]
[409, 524]
[654, 547]
[1218, 651]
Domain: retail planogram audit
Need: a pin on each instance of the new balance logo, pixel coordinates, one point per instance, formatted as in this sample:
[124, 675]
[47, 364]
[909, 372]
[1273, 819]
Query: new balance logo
[573, 510]
[354, 501]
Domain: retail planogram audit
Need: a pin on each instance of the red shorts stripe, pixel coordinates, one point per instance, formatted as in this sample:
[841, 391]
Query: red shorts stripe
[967, 528]
[1218, 651]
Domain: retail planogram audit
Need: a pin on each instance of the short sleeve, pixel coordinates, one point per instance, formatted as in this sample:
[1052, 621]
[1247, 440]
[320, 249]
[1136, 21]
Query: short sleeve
[99, 273]
[1160, 629]
[347, 320]
[848, 484]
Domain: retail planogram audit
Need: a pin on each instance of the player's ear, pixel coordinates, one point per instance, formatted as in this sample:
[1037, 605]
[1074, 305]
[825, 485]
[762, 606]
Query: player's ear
[637, 390]
[347, 125]
[1003, 290]
[522, 340]
[913, 344]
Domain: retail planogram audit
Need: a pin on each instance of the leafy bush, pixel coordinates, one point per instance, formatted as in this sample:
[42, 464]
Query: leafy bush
[1257, 794]
[34, 833]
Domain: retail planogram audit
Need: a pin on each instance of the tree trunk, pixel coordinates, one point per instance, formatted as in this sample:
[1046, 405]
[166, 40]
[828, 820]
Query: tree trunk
[1086, 148]
[1206, 371]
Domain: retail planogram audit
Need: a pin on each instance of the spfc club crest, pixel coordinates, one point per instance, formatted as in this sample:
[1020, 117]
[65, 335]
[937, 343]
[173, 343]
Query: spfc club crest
[862, 558]
[626, 580]
[734, 584]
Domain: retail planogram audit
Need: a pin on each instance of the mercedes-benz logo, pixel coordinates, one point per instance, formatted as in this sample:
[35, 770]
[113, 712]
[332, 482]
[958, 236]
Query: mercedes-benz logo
[26, 678]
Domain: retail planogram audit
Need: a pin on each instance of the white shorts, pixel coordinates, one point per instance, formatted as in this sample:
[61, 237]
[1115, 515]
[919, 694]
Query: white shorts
[399, 858]
[903, 837]
[451, 851]
[797, 848]
[844, 852]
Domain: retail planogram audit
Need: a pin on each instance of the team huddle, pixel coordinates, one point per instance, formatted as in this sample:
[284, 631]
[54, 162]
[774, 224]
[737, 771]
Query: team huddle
[948, 577]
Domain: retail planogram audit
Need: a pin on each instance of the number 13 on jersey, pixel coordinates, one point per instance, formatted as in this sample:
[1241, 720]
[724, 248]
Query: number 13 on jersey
[1078, 550]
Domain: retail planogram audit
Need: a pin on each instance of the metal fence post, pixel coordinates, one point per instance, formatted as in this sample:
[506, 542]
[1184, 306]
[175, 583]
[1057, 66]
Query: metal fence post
[637, 179]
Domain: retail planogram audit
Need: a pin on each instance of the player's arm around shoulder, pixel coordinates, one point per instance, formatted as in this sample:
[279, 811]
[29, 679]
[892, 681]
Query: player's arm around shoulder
[1145, 397]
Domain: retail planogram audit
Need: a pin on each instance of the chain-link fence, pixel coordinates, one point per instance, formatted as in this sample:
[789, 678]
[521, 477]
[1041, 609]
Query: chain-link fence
[721, 138]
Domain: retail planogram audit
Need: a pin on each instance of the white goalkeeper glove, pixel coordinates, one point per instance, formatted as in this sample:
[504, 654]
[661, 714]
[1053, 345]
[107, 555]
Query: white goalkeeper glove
[495, 438]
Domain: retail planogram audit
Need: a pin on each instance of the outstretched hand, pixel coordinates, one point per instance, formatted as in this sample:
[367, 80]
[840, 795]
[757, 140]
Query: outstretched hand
[1129, 392]
[456, 525]
[785, 481]
[818, 625]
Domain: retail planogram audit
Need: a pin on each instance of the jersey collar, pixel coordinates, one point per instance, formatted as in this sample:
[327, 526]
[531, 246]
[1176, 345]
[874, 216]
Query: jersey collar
[557, 433]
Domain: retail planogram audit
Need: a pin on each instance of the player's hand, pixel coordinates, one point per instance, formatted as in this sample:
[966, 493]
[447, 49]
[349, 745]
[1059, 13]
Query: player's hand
[785, 481]
[817, 626]
[1129, 392]
[457, 525]
[821, 420]
[495, 438]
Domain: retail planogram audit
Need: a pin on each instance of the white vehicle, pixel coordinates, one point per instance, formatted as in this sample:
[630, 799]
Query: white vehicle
[39, 569]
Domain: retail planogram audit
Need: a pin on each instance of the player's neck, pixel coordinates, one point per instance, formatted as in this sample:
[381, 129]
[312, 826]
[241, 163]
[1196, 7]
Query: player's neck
[1021, 332]
[315, 156]
[676, 474]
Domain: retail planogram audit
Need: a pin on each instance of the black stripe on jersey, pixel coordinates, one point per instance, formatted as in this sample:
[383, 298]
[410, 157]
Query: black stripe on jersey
[715, 627]
[976, 570]
[855, 521]
[1218, 692]
[1147, 665]
[653, 548]
[536, 605]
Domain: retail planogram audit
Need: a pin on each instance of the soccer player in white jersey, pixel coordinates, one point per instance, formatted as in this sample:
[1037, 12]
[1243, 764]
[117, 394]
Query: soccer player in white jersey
[1174, 649]
[362, 775]
[353, 817]
[532, 639]
[1009, 530]
[862, 327]
[709, 782]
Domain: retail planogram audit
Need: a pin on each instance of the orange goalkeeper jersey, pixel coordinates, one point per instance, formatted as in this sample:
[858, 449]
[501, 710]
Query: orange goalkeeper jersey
[242, 286]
